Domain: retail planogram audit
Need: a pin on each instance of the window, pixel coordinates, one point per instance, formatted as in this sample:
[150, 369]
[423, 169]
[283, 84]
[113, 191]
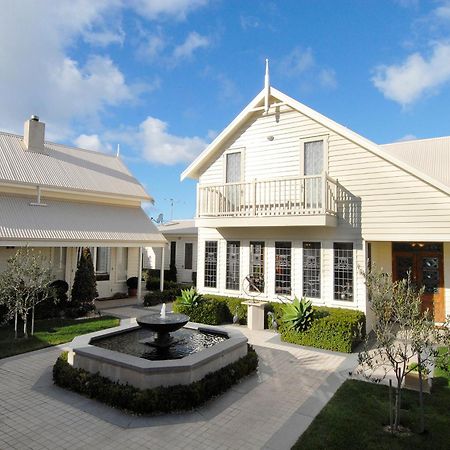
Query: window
[257, 266]
[211, 264]
[232, 277]
[173, 254]
[121, 264]
[233, 167]
[343, 271]
[101, 261]
[313, 158]
[311, 269]
[283, 268]
[188, 250]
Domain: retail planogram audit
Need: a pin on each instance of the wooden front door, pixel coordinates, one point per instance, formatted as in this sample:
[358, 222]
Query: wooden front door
[425, 261]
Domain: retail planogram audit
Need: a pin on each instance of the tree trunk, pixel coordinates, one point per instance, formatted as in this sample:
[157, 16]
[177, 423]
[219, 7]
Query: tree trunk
[25, 332]
[422, 413]
[15, 324]
[398, 399]
[391, 424]
[32, 321]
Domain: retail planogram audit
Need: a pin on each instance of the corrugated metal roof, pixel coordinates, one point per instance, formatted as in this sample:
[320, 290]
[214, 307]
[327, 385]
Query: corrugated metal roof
[185, 226]
[431, 156]
[74, 222]
[66, 167]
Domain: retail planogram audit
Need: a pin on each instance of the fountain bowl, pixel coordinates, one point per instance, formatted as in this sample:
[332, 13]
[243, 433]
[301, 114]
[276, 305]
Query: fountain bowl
[171, 322]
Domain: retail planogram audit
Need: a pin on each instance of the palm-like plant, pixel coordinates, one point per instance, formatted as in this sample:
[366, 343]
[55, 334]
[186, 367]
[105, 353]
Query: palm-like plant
[190, 298]
[298, 315]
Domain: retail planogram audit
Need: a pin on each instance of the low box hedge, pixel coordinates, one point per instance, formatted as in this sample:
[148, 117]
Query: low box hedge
[335, 329]
[157, 400]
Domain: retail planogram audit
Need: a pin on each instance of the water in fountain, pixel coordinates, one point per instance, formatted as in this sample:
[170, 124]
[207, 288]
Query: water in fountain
[163, 311]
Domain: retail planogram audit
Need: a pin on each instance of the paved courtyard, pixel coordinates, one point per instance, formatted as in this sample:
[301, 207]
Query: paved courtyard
[268, 410]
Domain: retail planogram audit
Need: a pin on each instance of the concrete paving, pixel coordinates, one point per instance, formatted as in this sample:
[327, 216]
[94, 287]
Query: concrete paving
[268, 410]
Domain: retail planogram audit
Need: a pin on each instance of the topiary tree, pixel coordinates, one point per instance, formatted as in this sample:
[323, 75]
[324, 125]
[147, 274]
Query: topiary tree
[25, 283]
[84, 289]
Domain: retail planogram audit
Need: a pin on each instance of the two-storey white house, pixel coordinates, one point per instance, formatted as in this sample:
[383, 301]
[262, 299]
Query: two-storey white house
[59, 199]
[301, 204]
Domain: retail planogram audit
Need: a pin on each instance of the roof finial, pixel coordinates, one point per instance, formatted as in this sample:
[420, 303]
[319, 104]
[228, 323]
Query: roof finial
[118, 151]
[266, 88]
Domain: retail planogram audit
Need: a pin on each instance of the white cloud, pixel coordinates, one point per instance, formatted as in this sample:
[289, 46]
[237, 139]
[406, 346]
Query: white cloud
[193, 42]
[415, 77]
[407, 137]
[152, 47]
[38, 76]
[92, 142]
[164, 9]
[159, 146]
[327, 78]
[249, 22]
[297, 62]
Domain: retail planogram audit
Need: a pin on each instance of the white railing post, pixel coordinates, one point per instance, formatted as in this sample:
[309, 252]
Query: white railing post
[254, 197]
[324, 192]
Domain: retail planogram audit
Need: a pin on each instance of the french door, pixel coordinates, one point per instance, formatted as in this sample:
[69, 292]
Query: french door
[426, 265]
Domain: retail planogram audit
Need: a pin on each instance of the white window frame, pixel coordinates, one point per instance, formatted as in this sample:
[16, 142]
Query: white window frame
[315, 300]
[240, 150]
[353, 302]
[240, 265]
[321, 137]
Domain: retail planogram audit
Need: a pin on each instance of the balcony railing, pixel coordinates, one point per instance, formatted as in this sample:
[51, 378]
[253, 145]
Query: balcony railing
[307, 195]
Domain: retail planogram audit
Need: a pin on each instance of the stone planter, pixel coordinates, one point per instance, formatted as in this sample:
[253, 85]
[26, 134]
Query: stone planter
[255, 315]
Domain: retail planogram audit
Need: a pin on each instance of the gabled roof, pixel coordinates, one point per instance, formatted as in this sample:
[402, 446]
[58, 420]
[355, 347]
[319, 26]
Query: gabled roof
[66, 168]
[200, 164]
[431, 156]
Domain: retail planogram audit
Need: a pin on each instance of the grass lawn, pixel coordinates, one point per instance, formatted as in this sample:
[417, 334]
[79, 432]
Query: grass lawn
[354, 419]
[51, 332]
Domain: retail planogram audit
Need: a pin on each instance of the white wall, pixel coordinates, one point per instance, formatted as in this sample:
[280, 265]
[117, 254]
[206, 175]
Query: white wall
[183, 275]
[396, 206]
[295, 235]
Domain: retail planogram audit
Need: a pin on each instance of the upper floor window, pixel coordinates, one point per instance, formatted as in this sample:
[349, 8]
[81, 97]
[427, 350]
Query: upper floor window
[313, 158]
[233, 167]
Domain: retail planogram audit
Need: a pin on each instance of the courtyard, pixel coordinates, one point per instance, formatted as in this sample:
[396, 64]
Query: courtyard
[268, 410]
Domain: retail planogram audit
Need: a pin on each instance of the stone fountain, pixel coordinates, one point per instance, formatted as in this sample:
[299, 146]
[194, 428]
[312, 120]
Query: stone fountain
[162, 325]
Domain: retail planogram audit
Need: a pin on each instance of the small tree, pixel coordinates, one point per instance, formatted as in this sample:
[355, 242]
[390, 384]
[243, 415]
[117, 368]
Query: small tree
[24, 284]
[403, 334]
[84, 289]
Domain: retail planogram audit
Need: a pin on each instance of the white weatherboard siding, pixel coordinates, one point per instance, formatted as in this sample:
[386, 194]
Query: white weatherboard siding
[390, 203]
[447, 277]
[296, 237]
[183, 275]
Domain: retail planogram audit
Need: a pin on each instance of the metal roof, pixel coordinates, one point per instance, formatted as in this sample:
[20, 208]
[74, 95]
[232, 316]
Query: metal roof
[66, 167]
[431, 156]
[72, 222]
[179, 227]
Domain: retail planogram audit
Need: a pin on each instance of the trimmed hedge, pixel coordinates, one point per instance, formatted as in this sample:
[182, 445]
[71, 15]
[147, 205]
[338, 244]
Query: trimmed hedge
[335, 329]
[214, 310]
[157, 400]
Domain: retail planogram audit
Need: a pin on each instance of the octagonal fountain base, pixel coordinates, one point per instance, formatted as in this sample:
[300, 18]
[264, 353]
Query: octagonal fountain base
[146, 374]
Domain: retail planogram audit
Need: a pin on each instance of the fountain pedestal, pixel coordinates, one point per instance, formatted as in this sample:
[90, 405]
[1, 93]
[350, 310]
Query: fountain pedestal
[162, 326]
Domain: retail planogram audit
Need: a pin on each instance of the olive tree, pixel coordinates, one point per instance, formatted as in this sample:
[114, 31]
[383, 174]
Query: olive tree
[406, 339]
[24, 284]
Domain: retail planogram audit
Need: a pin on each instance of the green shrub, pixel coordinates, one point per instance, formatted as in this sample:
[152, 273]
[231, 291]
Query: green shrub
[206, 311]
[298, 315]
[157, 400]
[335, 329]
[234, 306]
[84, 288]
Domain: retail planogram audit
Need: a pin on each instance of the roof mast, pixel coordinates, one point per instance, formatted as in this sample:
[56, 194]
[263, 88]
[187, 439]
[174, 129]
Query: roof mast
[118, 151]
[266, 88]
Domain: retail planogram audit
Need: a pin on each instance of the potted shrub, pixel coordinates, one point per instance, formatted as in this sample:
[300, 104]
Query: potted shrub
[132, 284]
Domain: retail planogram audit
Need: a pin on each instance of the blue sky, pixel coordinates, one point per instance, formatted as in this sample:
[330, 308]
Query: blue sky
[163, 77]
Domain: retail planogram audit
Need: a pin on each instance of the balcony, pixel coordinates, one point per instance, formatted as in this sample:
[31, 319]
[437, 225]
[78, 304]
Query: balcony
[294, 201]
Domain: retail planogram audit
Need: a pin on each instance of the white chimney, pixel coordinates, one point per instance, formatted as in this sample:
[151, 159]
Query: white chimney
[34, 135]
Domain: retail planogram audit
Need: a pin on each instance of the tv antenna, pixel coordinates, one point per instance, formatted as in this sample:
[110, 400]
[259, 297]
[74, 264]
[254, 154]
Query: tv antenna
[159, 220]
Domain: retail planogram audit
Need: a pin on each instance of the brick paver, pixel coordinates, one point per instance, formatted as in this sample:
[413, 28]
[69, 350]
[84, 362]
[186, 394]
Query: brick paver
[268, 410]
